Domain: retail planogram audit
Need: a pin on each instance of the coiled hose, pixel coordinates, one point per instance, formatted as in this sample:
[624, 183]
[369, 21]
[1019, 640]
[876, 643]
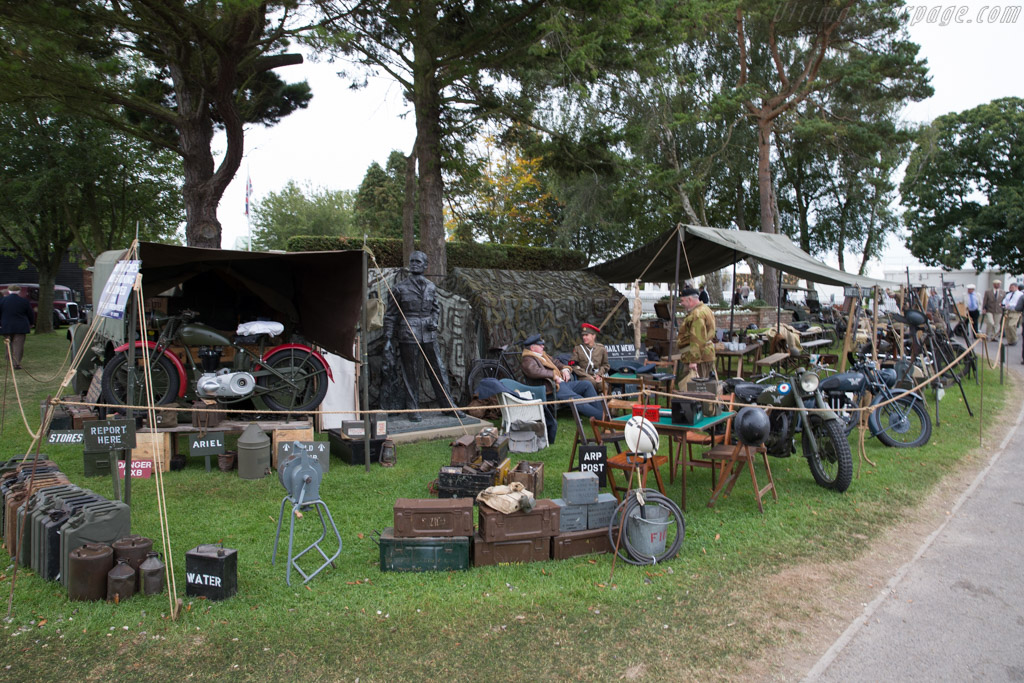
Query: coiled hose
[622, 515]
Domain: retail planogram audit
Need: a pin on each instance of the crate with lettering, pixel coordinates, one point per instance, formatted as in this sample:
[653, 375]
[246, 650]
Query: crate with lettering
[650, 412]
[579, 488]
[211, 572]
[599, 514]
[418, 517]
[496, 526]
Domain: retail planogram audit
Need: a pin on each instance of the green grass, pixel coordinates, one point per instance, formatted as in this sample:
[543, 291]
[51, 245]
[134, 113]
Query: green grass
[547, 620]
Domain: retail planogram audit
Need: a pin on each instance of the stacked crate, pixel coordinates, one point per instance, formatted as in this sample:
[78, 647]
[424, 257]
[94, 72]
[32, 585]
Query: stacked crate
[584, 517]
[517, 537]
[428, 535]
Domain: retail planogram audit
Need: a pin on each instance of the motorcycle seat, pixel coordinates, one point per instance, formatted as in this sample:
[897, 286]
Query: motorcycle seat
[747, 392]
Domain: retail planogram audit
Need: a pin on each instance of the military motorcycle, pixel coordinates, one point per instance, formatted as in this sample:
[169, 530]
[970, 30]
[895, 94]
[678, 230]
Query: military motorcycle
[287, 377]
[789, 401]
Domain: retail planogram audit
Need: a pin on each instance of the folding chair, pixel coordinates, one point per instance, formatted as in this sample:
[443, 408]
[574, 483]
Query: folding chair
[514, 408]
[605, 430]
[580, 438]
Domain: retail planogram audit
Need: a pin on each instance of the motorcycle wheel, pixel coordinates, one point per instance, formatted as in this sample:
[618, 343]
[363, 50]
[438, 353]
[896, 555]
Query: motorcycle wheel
[832, 466]
[115, 379]
[903, 423]
[307, 373]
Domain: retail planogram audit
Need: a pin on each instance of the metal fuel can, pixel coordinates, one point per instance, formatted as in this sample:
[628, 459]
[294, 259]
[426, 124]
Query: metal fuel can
[211, 571]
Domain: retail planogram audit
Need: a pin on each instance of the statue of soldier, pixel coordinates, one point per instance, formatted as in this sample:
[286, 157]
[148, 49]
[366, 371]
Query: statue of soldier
[412, 316]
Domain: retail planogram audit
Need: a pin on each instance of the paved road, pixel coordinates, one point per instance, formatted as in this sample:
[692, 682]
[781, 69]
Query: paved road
[955, 612]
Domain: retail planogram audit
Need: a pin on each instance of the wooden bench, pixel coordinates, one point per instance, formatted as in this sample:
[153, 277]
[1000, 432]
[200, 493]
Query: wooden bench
[772, 360]
[816, 343]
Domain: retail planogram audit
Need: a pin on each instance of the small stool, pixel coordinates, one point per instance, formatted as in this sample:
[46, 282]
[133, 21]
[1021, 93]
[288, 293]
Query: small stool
[736, 456]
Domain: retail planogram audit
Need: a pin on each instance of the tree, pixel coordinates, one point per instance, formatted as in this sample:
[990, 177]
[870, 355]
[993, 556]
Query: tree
[378, 204]
[304, 210]
[964, 189]
[786, 57]
[167, 72]
[64, 179]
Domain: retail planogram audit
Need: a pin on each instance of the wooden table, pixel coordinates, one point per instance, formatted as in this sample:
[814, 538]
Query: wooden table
[668, 428]
[624, 379]
[724, 358]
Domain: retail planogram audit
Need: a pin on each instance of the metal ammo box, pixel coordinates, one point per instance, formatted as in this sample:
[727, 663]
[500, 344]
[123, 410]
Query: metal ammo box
[429, 517]
[423, 554]
[542, 520]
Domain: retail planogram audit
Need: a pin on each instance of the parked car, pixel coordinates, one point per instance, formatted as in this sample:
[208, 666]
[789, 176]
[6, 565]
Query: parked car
[65, 309]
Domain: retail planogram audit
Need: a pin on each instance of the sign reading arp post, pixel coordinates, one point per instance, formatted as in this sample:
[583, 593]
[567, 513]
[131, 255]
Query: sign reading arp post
[594, 458]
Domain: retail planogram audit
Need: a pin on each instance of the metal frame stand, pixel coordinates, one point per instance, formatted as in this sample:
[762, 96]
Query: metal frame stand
[293, 560]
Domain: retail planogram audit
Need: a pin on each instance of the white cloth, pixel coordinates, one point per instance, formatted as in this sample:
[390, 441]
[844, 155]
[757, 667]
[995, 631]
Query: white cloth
[270, 327]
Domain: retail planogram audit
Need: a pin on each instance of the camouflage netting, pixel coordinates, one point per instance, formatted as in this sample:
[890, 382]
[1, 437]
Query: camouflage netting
[483, 309]
[510, 305]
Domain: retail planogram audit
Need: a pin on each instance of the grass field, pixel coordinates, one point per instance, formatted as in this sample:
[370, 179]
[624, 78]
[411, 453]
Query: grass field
[541, 621]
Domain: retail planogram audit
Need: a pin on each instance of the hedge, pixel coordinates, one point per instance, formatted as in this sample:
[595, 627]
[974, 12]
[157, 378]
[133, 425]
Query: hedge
[460, 254]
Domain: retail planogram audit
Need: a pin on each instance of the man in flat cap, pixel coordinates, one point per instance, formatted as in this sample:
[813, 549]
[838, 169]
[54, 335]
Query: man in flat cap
[590, 359]
[696, 340]
[992, 309]
[536, 364]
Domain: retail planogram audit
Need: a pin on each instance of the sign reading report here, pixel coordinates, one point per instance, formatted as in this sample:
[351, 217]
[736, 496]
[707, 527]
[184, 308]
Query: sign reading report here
[108, 435]
[118, 289]
[211, 443]
[594, 459]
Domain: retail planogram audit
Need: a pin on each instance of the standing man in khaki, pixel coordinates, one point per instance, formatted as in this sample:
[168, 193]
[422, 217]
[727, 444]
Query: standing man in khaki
[1011, 314]
[991, 309]
[590, 359]
[696, 339]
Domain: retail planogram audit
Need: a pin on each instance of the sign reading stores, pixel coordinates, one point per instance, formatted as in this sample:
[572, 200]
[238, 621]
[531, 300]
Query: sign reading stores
[108, 435]
[64, 436]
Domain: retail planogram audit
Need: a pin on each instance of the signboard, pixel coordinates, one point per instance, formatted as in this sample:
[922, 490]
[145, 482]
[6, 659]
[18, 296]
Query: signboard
[118, 289]
[594, 458]
[318, 450]
[212, 443]
[60, 437]
[141, 469]
[108, 435]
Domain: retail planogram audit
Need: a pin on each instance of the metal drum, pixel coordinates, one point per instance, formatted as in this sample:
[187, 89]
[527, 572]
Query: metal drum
[88, 569]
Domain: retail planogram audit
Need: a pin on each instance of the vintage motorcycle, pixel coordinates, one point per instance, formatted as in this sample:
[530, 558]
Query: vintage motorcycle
[287, 377]
[823, 438]
[900, 423]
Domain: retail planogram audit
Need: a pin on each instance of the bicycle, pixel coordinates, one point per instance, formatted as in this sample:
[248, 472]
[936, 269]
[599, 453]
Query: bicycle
[505, 366]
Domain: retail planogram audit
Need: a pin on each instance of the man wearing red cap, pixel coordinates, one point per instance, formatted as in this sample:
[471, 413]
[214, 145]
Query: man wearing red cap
[590, 359]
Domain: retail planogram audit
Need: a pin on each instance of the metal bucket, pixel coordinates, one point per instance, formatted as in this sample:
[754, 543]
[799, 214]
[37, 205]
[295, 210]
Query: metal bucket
[648, 536]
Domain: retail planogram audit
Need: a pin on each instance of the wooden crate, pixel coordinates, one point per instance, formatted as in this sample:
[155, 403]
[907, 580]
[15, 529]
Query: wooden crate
[281, 435]
[147, 445]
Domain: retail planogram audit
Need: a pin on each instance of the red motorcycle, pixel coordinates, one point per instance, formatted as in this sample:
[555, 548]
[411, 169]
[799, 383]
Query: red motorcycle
[288, 377]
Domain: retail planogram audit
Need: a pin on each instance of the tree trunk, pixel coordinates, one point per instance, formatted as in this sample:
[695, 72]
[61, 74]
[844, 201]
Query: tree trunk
[44, 314]
[195, 131]
[769, 280]
[428, 151]
[409, 207]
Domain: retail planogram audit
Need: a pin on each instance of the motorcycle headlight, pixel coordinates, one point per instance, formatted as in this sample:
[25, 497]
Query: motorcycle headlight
[808, 382]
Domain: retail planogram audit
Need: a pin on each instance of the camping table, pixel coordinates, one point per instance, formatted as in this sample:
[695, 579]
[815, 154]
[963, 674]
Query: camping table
[625, 378]
[725, 357]
[667, 427]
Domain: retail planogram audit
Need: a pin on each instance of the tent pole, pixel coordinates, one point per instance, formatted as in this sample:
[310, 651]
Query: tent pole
[675, 293]
[778, 307]
[732, 299]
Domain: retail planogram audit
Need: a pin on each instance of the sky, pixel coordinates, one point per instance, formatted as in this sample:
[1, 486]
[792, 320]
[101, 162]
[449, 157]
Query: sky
[974, 51]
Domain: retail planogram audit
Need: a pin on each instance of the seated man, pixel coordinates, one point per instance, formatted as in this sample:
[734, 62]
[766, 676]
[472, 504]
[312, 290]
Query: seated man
[538, 365]
[590, 359]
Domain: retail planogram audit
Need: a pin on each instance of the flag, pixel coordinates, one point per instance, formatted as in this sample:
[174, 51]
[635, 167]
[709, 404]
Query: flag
[248, 193]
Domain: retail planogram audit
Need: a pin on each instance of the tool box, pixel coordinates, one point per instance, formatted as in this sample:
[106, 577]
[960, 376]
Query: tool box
[423, 554]
[496, 526]
[430, 517]
[508, 552]
[576, 543]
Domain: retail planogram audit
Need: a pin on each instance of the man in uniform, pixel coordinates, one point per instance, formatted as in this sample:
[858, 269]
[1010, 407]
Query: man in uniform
[696, 340]
[590, 359]
[538, 365]
[412, 316]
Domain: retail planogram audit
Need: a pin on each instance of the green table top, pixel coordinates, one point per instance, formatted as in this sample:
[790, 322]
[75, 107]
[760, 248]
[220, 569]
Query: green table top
[665, 420]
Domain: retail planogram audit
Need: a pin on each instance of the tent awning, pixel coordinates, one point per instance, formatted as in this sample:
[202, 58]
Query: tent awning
[706, 250]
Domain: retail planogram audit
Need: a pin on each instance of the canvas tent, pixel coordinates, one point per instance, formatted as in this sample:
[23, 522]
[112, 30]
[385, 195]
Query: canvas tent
[510, 305]
[705, 250]
[317, 294]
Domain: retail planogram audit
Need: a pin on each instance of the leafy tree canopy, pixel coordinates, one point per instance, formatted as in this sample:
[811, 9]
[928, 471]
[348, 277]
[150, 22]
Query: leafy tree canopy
[964, 189]
[304, 210]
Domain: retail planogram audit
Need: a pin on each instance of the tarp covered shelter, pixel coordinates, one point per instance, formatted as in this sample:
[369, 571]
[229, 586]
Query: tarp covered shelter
[317, 294]
[706, 250]
[510, 305]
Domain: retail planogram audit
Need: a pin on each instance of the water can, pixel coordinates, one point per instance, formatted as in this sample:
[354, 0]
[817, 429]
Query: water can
[121, 581]
[88, 568]
[152, 574]
[133, 548]
[648, 534]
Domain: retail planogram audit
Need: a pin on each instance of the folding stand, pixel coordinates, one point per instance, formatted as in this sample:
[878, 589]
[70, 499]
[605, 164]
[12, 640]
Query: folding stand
[293, 560]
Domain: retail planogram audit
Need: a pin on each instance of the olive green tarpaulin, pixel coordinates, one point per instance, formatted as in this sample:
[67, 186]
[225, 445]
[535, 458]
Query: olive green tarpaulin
[706, 250]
